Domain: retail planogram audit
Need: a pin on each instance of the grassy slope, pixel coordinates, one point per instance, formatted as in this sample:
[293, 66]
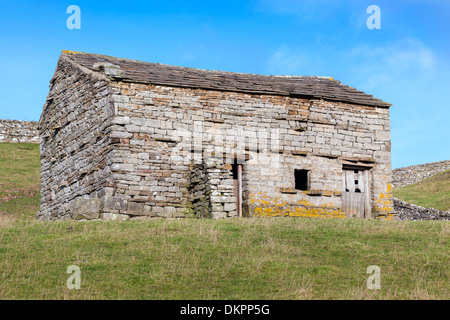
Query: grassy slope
[278, 258]
[19, 179]
[291, 258]
[433, 192]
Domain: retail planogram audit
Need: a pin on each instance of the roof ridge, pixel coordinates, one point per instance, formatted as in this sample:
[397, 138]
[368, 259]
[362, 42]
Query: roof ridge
[69, 52]
[125, 69]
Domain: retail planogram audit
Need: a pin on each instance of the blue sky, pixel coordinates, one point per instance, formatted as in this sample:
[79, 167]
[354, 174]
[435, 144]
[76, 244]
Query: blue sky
[406, 62]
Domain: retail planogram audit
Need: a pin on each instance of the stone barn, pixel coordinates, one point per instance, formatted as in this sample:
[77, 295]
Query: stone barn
[125, 139]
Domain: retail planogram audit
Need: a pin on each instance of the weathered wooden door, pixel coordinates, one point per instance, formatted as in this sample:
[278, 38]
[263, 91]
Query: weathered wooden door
[355, 198]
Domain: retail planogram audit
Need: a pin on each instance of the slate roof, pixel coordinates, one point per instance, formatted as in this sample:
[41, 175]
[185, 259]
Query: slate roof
[161, 74]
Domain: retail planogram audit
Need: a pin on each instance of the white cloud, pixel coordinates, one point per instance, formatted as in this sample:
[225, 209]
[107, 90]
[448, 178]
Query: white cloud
[287, 62]
[406, 58]
[401, 55]
[369, 66]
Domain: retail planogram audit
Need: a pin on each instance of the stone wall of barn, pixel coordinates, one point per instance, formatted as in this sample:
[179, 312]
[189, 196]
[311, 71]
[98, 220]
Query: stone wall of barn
[75, 144]
[18, 131]
[158, 132]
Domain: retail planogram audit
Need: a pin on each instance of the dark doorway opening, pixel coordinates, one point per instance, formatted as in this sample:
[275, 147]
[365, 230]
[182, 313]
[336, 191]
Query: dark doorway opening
[237, 177]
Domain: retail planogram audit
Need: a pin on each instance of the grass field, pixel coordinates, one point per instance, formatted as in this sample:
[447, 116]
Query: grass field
[263, 258]
[433, 192]
[19, 179]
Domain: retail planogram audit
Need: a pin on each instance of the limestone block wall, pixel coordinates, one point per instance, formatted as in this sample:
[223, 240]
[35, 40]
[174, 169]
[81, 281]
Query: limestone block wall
[200, 192]
[331, 132]
[75, 144]
[19, 131]
[220, 181]
[158, 131]
[273, 193]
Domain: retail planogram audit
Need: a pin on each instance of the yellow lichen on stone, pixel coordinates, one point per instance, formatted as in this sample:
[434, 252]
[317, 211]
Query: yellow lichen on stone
[73, 52]
[267, 206]
[383, 204]
[327, 193]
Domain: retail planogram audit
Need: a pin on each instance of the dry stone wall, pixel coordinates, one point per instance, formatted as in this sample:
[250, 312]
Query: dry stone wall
[19, 131]
[413, 174]
[409, 211]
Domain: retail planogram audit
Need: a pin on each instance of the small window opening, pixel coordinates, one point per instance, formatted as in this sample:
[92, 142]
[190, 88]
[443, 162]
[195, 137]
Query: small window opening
[301, 179]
